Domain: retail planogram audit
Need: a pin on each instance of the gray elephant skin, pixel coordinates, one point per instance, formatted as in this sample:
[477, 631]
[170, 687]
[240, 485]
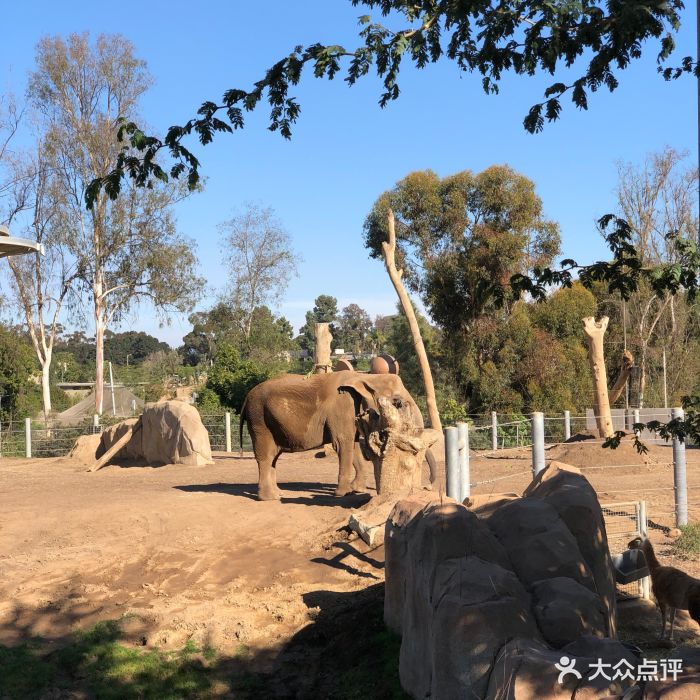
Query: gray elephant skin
[292, 413]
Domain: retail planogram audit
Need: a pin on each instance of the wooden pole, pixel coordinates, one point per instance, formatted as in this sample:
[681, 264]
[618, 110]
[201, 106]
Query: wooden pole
[389, 250]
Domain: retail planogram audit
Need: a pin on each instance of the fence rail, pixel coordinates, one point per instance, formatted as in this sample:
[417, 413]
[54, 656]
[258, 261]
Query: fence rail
[29, 439]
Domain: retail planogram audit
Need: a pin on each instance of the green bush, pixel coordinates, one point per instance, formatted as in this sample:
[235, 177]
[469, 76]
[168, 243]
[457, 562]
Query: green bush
[208, 401]
[689, 541]
[232, 378]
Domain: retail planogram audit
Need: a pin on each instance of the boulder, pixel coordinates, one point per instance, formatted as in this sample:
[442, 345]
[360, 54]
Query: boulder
[686, 687]
[538, 542]
[565, 610]
[441, 532]
[398, 530]
[525, 669]
[479, 606]
[85, 449]
[171, 433]
[569, 492]
[133, 450]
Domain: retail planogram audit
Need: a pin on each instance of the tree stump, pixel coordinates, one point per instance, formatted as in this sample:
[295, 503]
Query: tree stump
[322, 348]
[396, 447]
[595, 331]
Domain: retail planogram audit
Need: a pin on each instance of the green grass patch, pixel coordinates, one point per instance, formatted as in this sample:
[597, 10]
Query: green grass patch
[99, 664]
[689, 540]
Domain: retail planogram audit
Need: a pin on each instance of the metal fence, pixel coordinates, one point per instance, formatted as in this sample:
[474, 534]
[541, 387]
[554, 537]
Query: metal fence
[34, 439]
[623, 522]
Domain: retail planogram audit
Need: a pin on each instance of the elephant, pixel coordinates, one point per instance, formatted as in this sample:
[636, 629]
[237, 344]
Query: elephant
[292, 413]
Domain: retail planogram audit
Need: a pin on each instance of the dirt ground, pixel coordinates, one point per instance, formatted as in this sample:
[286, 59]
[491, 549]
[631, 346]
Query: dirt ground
[189, 553]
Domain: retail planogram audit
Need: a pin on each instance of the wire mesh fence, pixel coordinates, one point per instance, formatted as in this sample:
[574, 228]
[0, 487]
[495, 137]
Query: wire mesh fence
[623, 522]
[57, 441]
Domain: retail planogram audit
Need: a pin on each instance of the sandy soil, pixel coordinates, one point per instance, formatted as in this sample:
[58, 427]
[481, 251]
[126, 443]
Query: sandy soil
[187, 552]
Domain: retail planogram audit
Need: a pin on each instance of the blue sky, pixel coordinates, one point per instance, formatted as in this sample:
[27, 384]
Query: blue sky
[346, 150]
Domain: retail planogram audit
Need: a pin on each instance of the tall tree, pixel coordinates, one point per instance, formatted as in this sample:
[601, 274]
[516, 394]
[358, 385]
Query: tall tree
[127, 248]
[41, 282]
[325, 310]
[354, 329]
[260, 260]
[655, 198]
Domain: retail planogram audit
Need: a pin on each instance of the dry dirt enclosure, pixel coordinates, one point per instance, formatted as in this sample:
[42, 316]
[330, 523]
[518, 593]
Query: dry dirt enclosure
[180, 553]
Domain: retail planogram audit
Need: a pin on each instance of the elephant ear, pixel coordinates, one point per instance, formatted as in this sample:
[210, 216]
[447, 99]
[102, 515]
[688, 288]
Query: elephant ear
[362, 393]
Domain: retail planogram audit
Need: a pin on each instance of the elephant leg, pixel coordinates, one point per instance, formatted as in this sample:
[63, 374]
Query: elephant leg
[345, 450]
[266, 454]
[362, 470]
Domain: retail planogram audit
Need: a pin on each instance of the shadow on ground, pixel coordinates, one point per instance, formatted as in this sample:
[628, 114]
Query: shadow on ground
[320, 494]
[344, 653]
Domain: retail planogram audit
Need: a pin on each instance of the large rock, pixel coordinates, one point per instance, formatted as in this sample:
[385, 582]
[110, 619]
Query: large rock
[527, 670]
[565, 610]
[398, 530]
[462, 584]
[434, 535]
[538, 542]
[171, 433]
[524, 669]
[478, 606]
[686, 687]
[133, 450]
[85, 449]
[569, 492]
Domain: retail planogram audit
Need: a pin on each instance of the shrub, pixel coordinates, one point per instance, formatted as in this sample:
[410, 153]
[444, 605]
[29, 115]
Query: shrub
[689, 541]
[232, 378]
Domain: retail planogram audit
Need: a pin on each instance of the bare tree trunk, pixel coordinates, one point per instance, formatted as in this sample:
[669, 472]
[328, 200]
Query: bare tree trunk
[621, 382]
[389, 249]
[594, 334]
[99, 360]
[322, 348]
[46, 387]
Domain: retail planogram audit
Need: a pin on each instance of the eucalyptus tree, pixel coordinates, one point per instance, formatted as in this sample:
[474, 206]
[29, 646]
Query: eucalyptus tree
[126, 248]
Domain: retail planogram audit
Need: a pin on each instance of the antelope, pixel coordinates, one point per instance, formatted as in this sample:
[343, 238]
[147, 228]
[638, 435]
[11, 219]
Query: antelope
[673, 588]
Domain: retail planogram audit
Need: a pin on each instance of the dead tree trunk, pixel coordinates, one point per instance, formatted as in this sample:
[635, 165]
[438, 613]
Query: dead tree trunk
[389, 250]
[595, 330]
[396, 446]
[322, 348]
[621, 381]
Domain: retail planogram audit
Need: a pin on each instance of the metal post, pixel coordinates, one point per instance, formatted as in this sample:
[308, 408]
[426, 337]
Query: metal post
[95, 423]
[680, 484]
[537, 442]
[452, 462]
[567, 425]
[646, 581]
[111, 386]
[133, 406]
[464, 477]
[28, 437]
[636, 420]
[494, 431]
[227, 428]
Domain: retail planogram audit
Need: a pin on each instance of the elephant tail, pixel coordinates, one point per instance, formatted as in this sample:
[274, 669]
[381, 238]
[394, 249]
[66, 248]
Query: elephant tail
[241, 420]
